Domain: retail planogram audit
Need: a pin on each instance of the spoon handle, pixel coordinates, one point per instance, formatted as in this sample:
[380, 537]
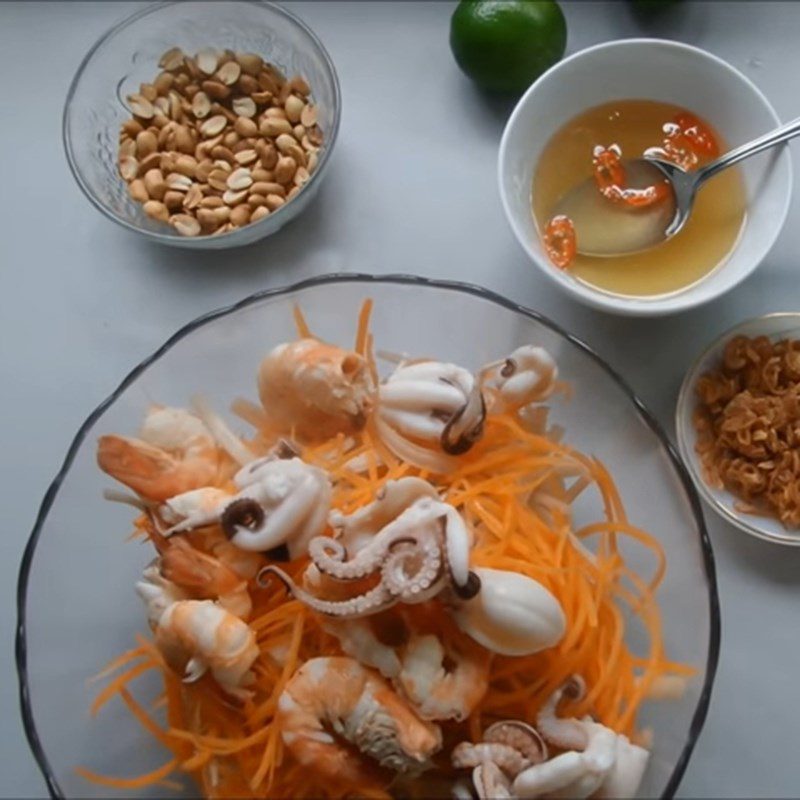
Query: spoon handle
[781, 134]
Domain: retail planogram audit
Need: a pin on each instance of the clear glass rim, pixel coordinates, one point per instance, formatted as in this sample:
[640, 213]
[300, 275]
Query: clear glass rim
[683, 411]
[168, 238]
[712, 658]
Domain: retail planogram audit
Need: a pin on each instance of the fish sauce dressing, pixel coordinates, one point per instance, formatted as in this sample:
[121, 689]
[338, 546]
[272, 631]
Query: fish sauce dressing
[705, 243]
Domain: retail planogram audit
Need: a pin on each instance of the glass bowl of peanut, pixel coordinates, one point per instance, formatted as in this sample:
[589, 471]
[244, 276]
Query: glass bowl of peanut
[203, 124]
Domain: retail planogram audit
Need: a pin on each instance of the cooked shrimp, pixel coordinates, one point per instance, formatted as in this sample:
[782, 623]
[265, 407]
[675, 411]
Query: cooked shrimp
[508, 748]
[199, 635]
[510, 744]
[444, 680]
[508, 758]
[157, 593]
[357, 638]
[212, 540]
[375, 641]
[205, 577]
[357, 705]
[315, 389]
[173, 455]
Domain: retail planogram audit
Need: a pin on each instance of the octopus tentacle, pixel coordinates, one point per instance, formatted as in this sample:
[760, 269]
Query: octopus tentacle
[456, 544]
[395, 496]
[412, 571]
[568, 734]
[330, 556]
[414, 553]
[371, 602]
[465, 427]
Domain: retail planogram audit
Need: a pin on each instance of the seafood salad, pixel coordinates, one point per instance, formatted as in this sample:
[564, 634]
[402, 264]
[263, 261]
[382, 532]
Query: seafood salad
[379, 589]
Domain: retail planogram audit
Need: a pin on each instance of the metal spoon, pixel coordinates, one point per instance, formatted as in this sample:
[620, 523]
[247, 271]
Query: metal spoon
[685, 184]
[609, 229]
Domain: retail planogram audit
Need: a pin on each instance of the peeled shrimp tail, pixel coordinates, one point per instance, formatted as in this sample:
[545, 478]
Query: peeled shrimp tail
[199, 635]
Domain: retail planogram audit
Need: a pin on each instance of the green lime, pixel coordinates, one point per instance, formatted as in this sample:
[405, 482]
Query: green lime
[504, 45]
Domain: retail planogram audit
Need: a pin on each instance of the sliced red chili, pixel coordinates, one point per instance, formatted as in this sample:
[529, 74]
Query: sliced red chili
[559, 241]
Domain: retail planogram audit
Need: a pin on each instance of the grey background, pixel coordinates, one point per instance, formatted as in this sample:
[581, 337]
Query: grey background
[411, 189]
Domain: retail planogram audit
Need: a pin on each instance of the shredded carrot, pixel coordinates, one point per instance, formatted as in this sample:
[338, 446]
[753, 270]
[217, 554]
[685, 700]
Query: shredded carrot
[119, 683]
[515, 489]
[139, 782]
[120, 661]
[303, 331]
[362, 334]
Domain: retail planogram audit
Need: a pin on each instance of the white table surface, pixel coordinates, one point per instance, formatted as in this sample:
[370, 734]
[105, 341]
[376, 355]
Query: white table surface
[411, 189]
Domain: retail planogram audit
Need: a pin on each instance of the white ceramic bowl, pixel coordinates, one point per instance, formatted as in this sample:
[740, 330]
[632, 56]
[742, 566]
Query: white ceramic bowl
[775, 326]
[656, 70]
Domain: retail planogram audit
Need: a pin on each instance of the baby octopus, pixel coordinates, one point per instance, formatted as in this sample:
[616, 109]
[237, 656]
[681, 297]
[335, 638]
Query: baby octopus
[429, 411]
[420, 553]
[281, 503]
[527, 376]
[597, 761]
[511, 762]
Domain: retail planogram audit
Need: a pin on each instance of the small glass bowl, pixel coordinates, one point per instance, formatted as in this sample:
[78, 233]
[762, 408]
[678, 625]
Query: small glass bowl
[775, 326]
[128, 55]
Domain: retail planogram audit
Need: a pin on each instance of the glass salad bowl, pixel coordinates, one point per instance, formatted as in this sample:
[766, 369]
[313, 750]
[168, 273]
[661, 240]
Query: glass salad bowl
[77, 607]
